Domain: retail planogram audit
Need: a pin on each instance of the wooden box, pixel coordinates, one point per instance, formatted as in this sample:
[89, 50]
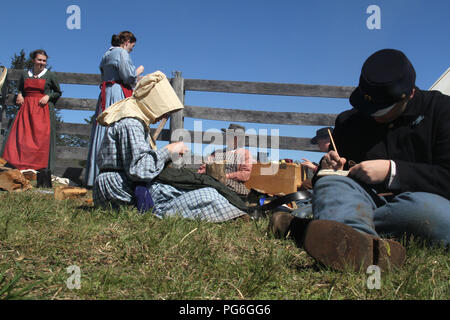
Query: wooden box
[278, 180]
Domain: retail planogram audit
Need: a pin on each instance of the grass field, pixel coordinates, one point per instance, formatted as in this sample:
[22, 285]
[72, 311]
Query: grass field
[124, 255]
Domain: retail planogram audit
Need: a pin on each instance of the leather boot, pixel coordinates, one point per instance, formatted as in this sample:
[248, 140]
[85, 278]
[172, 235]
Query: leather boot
[341, 247]
[337, 245]
[44, 178]
[283, 224]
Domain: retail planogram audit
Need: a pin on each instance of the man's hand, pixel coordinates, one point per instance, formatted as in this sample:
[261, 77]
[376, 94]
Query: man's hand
[332, 160]
[371, 171]
[309, 164]
[44, 100]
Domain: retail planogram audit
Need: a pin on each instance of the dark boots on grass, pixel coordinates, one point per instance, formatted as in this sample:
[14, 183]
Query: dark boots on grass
[337, 245]
[44, 178]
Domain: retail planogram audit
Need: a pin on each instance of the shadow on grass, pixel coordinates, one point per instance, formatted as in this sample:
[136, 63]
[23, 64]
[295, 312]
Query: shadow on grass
[316, 267]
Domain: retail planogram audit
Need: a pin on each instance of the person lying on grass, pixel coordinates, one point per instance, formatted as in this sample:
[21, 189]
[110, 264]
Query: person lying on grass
[128, 165]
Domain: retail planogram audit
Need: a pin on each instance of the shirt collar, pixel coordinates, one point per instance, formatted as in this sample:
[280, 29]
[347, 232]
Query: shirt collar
[39, 75]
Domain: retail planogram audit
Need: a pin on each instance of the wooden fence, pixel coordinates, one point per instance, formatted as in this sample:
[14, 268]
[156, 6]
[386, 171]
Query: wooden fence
[70, 160]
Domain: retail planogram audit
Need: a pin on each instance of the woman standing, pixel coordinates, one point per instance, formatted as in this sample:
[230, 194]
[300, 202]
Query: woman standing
[118, 78]
[32, 138]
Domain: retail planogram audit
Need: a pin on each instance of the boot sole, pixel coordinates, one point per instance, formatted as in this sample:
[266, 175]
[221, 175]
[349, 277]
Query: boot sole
[342, 248]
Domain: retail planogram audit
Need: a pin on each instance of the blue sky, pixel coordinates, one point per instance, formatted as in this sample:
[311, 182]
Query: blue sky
[307, 42]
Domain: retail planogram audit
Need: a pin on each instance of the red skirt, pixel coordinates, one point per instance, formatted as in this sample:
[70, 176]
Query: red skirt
[28, 144]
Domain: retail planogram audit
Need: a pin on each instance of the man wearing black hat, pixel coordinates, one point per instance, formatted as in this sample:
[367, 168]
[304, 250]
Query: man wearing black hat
[399, 138]
[322, 139]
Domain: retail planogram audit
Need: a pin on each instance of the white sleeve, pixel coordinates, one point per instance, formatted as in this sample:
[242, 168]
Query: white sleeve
[393, 182]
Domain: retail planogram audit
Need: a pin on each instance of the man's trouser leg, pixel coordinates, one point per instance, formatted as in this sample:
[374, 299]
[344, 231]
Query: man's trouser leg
[422, 215]
[343, 200]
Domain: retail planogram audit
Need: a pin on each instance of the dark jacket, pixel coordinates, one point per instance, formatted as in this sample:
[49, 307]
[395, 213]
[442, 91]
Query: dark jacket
[418, 142]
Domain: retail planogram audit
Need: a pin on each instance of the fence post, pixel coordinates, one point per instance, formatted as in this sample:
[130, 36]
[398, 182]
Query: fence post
[176, 119]
[3, 108]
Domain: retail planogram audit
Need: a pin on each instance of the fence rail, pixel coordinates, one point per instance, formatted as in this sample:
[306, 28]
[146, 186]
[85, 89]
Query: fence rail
[72, 159]
[280, 89]
[64, 77]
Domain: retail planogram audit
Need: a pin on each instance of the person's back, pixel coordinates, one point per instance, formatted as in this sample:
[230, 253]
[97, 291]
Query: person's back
[116, 65]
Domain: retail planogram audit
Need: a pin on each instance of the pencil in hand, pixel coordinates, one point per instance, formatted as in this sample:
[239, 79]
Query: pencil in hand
[332, 141]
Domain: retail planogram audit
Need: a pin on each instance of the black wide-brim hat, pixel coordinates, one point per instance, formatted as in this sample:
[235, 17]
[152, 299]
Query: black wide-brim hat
[322, 133]
[387, 77]
[234, 126]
